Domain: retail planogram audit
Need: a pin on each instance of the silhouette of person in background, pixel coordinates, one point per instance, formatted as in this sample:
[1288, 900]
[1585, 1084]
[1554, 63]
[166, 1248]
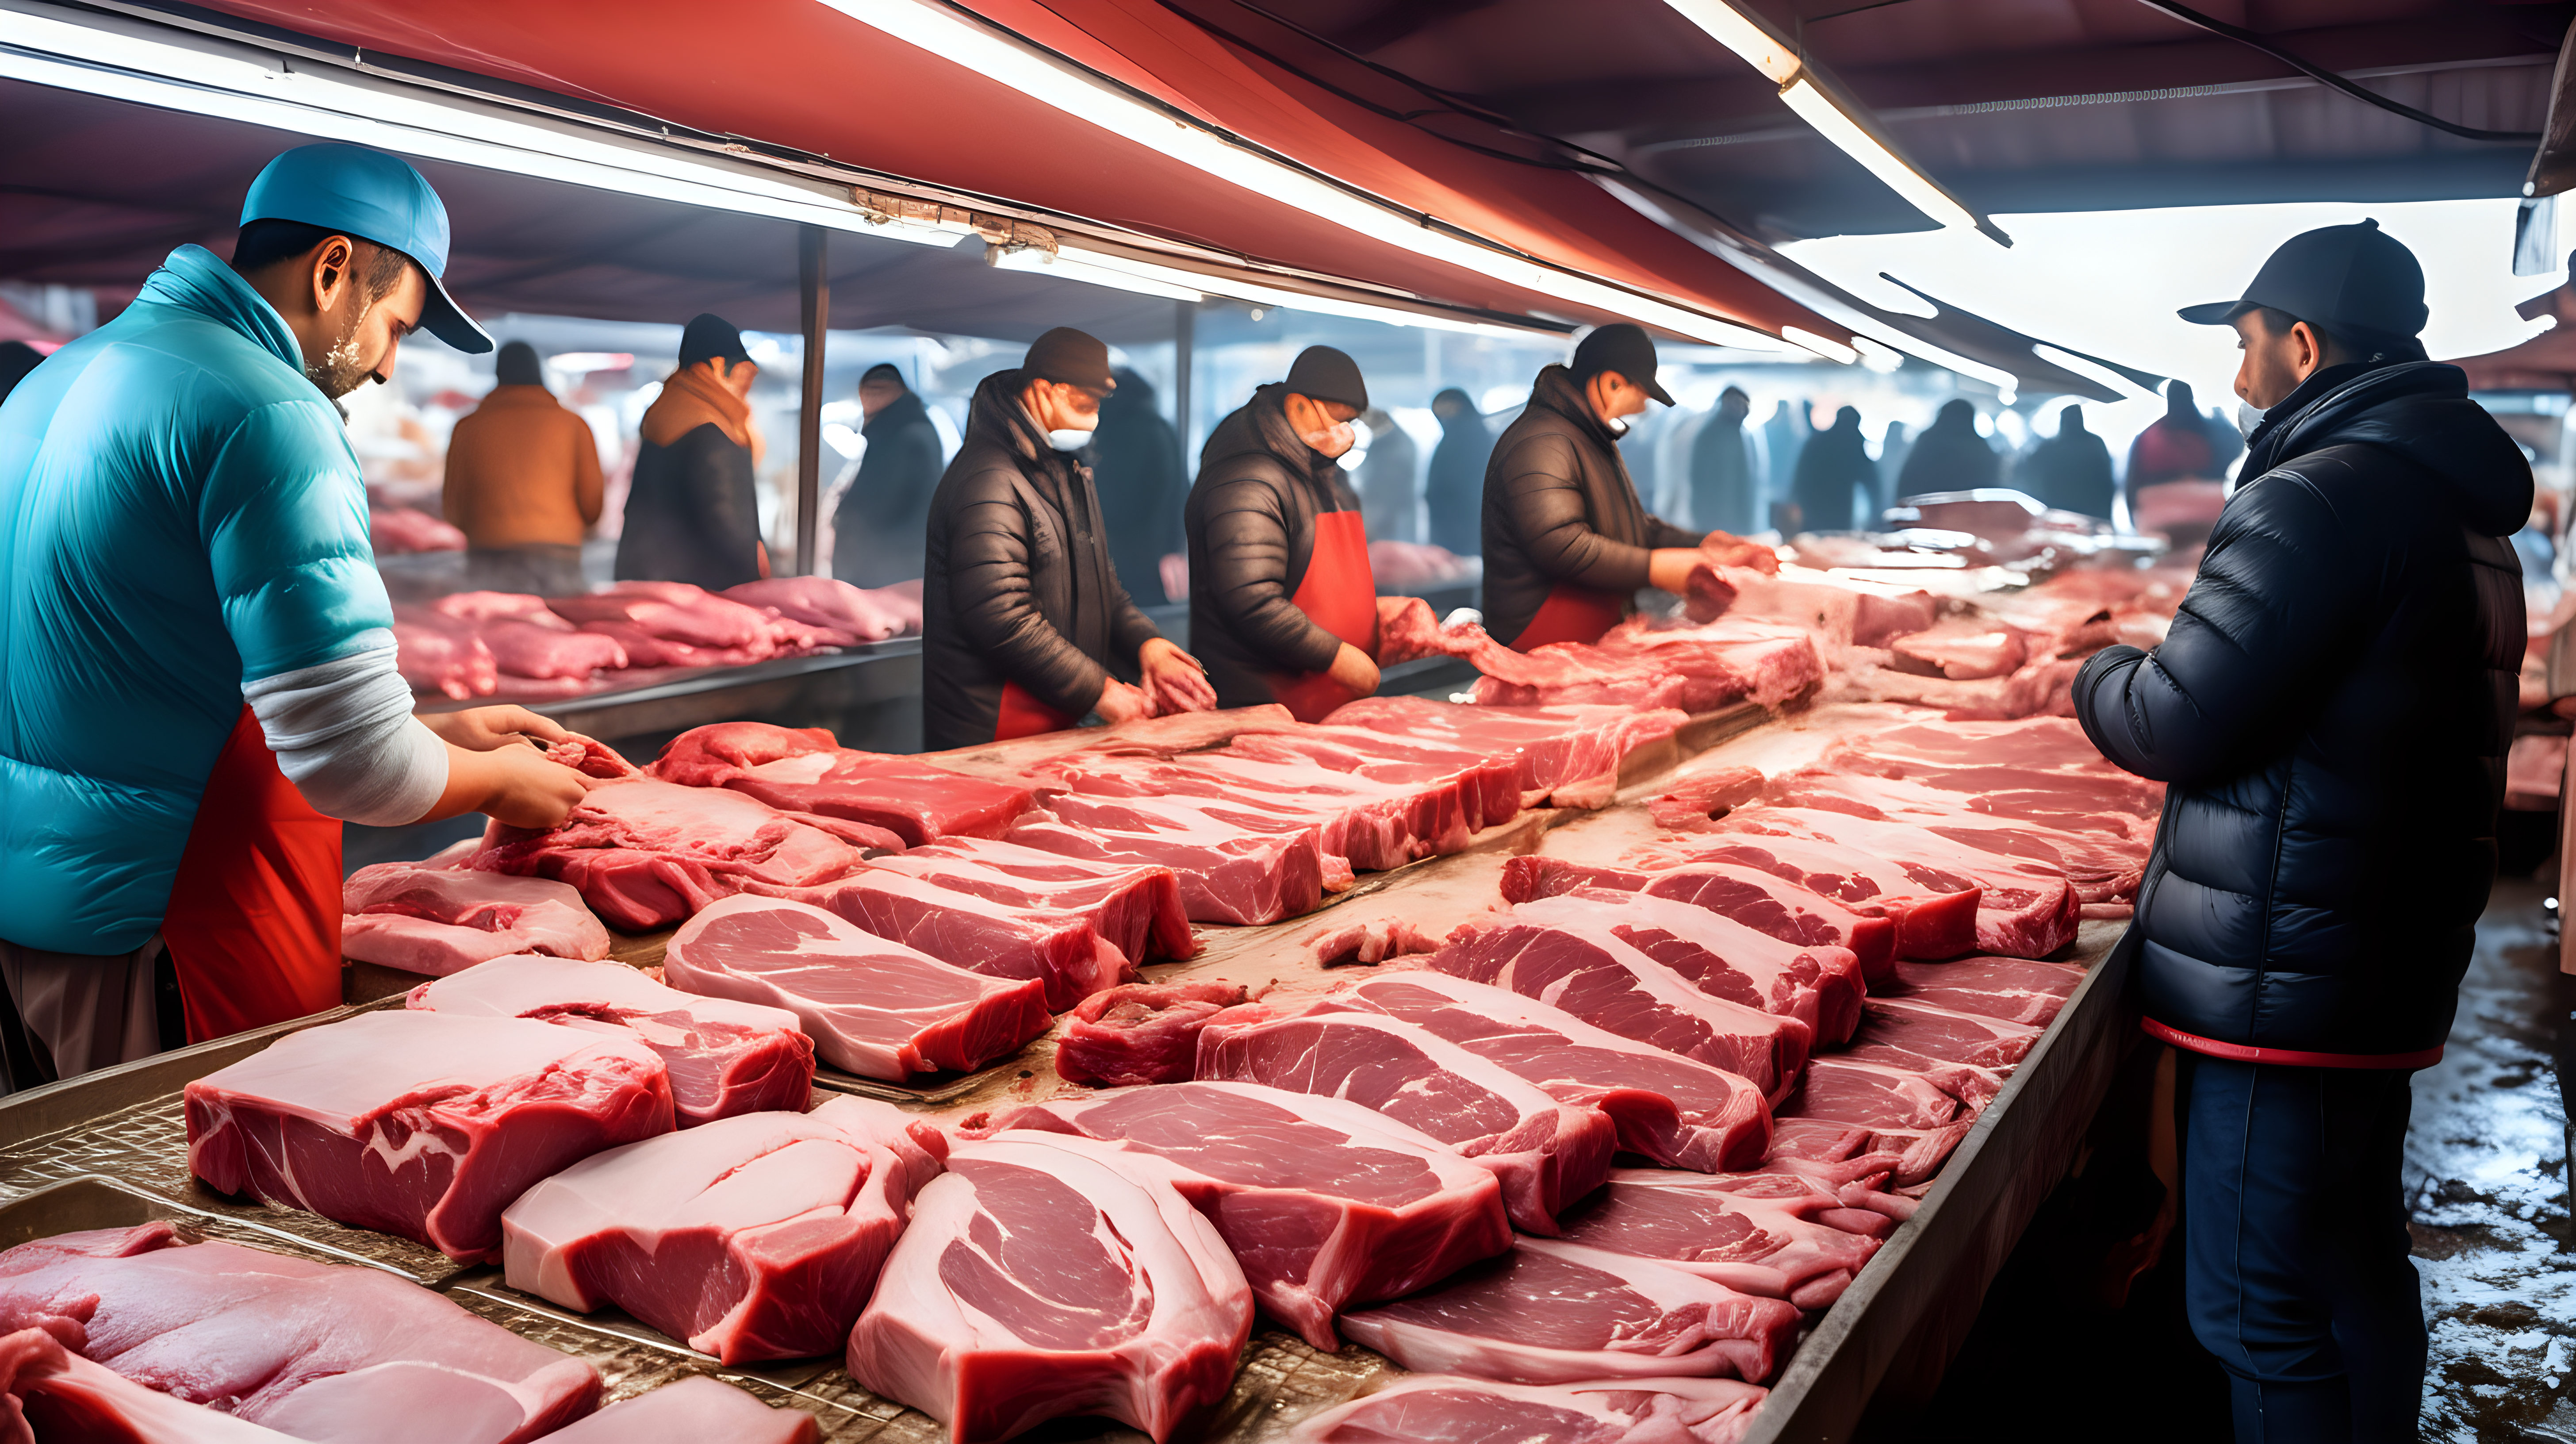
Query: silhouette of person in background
[1454, 492]
[1143, 481]
[1950, 455]
[1834, 463]
[2071, 470]
[1390, 480]
[1725, 488]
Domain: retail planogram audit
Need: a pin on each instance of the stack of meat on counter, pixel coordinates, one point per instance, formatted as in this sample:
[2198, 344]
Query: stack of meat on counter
[1582, 1147]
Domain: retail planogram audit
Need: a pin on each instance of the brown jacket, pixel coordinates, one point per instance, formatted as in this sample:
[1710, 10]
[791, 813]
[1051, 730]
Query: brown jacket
[522, 471]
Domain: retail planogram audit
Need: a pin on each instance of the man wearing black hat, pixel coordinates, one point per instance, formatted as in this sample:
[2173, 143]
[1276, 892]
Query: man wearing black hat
[1282, 603]
[2330, 712]
[877, 531]
[1567, 542]
[1022, 614]
[692, 515]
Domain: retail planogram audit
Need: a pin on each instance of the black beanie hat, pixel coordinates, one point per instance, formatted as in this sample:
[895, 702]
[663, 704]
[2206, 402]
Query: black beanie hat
[884, 371]
[711, 337]
[517, 366]
[1071, 358]
[1324, 374]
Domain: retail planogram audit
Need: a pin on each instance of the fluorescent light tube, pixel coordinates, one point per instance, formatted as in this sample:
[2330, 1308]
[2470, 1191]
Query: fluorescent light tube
[1818, 110]
[1730, 27]
[1032, 261]
[1230, 286]
[1826, 347]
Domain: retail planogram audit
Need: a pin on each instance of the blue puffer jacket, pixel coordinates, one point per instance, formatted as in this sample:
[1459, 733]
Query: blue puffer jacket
[180, 513]
[2332, 710]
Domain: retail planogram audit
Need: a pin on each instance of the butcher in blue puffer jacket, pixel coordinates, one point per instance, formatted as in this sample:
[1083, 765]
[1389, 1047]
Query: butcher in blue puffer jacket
[2331, 712]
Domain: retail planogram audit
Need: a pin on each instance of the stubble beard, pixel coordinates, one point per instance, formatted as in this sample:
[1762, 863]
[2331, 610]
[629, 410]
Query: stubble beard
[340, 370]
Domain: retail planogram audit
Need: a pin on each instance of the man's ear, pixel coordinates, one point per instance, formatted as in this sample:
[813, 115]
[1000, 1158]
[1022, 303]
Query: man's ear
[333, 268]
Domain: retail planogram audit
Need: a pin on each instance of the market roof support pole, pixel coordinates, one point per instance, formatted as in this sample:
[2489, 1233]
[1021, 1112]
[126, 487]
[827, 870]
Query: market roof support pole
[1185, 345]
[817, 308]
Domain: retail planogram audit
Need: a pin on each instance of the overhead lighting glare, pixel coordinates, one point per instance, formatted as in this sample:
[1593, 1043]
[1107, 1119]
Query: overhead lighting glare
[1238, 289]
[1057, 83]
[1826, 347]
[1729, 27]
[1029, 260]
[2093, 371]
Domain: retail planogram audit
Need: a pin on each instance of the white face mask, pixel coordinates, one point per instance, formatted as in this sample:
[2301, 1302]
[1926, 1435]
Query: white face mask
[1067, 439]
[1333, 440]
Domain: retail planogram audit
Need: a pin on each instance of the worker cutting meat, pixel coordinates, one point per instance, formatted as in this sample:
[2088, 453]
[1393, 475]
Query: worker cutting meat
[1023, 620]
[1567, 542]
[197, 679]
[2330, 713]
[1282, 604]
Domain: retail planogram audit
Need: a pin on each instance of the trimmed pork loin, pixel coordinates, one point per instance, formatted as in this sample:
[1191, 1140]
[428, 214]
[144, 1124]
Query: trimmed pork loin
[696, 1410]
[1231, 869]
[1040, 1279]
[755, 1237]
[49, 1393]
[1757, 899]
[1140, 1033]
[437, 920]
[1779, 1242]
[1934, 919]
[1455, 1409]
[1819, 985]
[804, 769]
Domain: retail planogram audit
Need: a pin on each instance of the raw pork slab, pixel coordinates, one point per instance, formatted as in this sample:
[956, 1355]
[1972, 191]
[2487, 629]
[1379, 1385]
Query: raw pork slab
[873, 1007]
[1061, 950]
[1228, 873]
[1137, 907]
[440, 920]
[1490, 785]
[673, 611]
[329, 1353]
[1951, 1037]
[1547, 1154]
[1551, 1312]
[806, 770]
[1038, 1280]
[1932, 921]
[2017, 990]
[1580, 965]
[1454, 1409]
[421, 1124]
[696, 1410]
[1759, 1240]
[442, 655]
[2048, 755]
[1908, 1156]
[868, 616]
[1139, 1033]
[1324, 1203]
[1378, 826]
[2104, 863]
[1570, 756]
[1870, 1094]
[1759, 900]
[49, 1393]
[1666, 1107]
[1819, 986]
[1694, 800]
[757, 1237]
[646, 854]
[725, 1057]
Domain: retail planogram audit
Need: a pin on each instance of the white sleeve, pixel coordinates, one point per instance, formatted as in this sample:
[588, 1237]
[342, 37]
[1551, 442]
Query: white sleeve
[344, 734]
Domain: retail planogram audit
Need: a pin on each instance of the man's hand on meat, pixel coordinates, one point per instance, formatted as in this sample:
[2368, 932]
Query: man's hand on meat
[1668, 569]
[1174, 680]
[492, 769]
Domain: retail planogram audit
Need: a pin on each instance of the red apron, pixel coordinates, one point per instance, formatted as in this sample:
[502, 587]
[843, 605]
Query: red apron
[1572, 614]
[1339, 594]
[1025, 716]
[253, 927]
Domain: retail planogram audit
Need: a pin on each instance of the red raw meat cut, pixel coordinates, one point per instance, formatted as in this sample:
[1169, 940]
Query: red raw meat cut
[644, 650]
[591, 758]
[328, 1353]
[1136, 906]
[1551, 1312]
[1696, 669]
[828, 603]
[2103, 866]
[1140, 1033]
[725, 1057]
[1546, 1154]
[442, 655]
[1490, 787]
[2016, 990]
[1228, 873]
[1962, 649]
[1370, 940]
[529, 640]
[1694, 801]
[674, 611]
[805, 770]
[1568, 755]
[1870, 1094]
[409, 529]
[1757, 899]
[757, 1237]
[1038, 1280]
[873, 1007]
[1378, 826]
[1948, 1036]
[1749, 1238]
[1933, 919]
[2041, 770]
[49, 1393]
[1820, 986]
[1666, 1107]
[421, 1124]
[696, 1410]
[1062, 950]
[645, 853]
[481, 607]
[2025, 908]
[1324, 1203]
[1454, 1409]
[1578, 964]
[1908, 1156]
[439, 920]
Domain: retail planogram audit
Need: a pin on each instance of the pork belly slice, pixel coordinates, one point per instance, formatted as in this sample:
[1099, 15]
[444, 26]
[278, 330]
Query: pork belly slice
[1323, 1202]
[1491, 786]
[1044, 1276]
[725, 1057]
[1455, 1409]
[1786, 910]
[1377, 826]
[1061, 950]
[755, 1237]
[1546, 1154]
[696, 1410]
[873, 1007]
[1570, 755]
[804, 769]
[48, 1392]
[2102, 865]
[1935, 917]
[1818, 984]
[1951, 1037]
[1552, 1312]
[1757, 1240]
[421, 1124]
[439, 920]
[1139, 1033]
[1136, 906]
[1227, 874]
[2017, 990]
[1666, 1107]
[327, 1353]
[1908, 1156]
[2042, 769]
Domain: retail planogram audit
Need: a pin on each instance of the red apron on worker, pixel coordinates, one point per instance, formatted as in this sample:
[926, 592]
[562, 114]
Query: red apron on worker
[1023, 715]
[1572, 614]
[253, 928]
[1338, 594]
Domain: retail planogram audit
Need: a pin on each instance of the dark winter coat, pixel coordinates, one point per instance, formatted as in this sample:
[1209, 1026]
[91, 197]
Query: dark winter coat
[1017, 584]
[1725, 492]
[1453, 491]
[1251, 524]
[2331, 712]
[1137, 468]
[878, 531]
[1833, 464]
[1559, 507]
[2070, 471]
[1950, 455]
[691, 514]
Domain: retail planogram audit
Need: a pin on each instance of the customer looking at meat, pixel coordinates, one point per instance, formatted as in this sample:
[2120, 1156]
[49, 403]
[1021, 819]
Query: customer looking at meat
[1282, 602]
[2331, 713]
[523, 483]
[1453, 487]
[1567, 542]
[1143, 481]
[692, 515]
[878, 530]
[1950, 455]
[1024, 625]
[197, 670]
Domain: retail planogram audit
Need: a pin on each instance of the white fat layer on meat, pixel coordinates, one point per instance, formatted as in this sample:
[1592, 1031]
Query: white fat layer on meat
[344, 734]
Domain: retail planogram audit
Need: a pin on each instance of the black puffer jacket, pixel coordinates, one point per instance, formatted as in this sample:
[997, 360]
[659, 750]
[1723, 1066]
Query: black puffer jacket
[2332, 710]
[1017, 584]
[1560, 507]
[691, 514]
[1251, 525]
[876, 535]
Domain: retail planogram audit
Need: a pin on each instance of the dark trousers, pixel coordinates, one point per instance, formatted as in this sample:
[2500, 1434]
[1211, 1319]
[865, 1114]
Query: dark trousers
[2297, 1275]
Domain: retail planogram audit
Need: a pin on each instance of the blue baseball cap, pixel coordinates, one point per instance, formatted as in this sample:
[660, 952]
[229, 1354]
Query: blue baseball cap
[374, 197]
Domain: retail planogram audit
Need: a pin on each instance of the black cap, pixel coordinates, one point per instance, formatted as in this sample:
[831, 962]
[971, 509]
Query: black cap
[2338, 278]
[885, 371]
[1324, 374]
[1071, 358]
[517, 365]
[1622, 348]
[711, 337]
